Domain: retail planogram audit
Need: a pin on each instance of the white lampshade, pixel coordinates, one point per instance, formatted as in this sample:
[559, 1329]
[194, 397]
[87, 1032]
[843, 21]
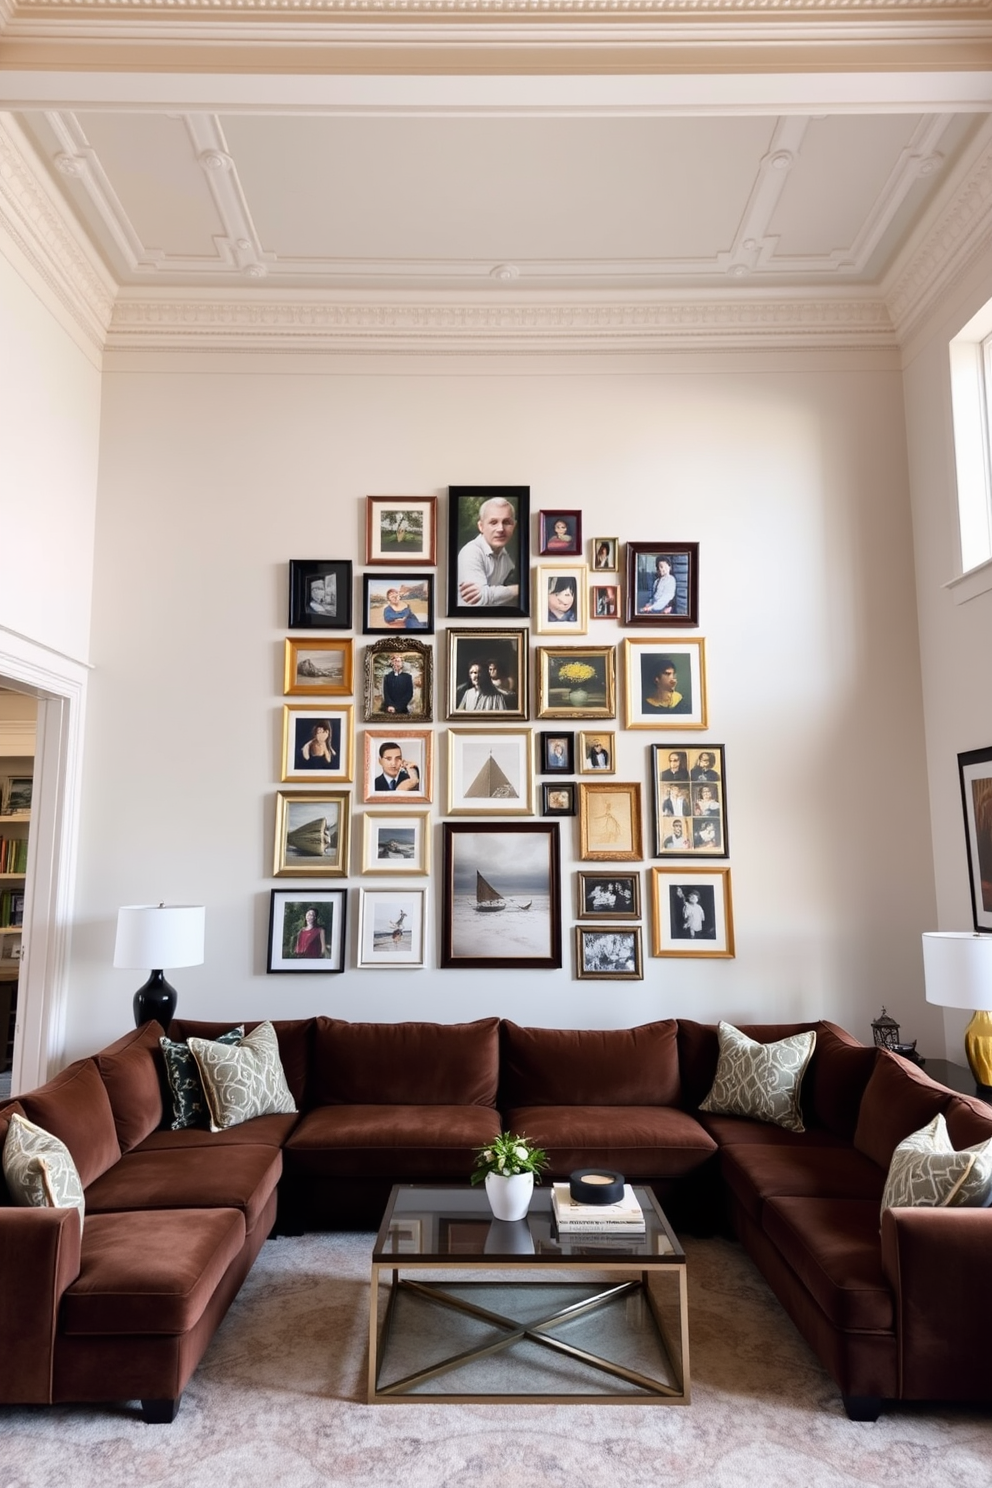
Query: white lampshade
[157, 936]
[957, 969]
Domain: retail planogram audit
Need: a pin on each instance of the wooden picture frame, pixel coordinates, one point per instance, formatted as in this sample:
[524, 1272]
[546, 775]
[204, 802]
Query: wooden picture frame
[558, 798]
[396, 842]
[561, 599]
[665, 683]
[478, 539]
[608, 953]
[395, 604]
[689, 789]
[662, 586]
[596, 752]
[412, 769]
[315, 666]
[608, 895]
[692, 912]
[487, 675]
[392, 928]
[560, 533]
[320, 593]
[387, 701]
[604, 602]
[576, 682]
[307, 930]
[557, 752]
[604, 555]
[975, 774]
[490, 772]
[400, 530]
[309, 734]
[610, 821]
[312, 831]
[501, 905]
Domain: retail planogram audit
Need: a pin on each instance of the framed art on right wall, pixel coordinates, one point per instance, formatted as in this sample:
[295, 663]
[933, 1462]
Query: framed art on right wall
[975, 770]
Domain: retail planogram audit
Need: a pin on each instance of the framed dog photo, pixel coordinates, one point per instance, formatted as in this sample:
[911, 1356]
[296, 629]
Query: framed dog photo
[576, 683]
[608, 954]
[665, 683]
[610, 821]
[307, 930]
[399, 763]
[557, 753]
[318, 666]
[690, 801]
[400, 530]
[560, 532]
[502, 895]
[692, 912]
[391, 927]
[399, 680]
[597, 752]
[609, 896]
[320, 593]
[662, 584]
[392, 602]
[561, 599]
[605, 554]
[487, 673]
[490, 773]
[558, 798]
[488, 551]
[396, 842]
[317, 743]
[311, 835]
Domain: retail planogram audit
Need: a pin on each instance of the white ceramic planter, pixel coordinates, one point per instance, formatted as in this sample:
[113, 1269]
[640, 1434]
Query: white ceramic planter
[509, 1197]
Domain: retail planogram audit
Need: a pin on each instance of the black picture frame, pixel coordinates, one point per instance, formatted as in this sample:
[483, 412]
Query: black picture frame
[288, 911]
[333, 614]
[975, 773]
[519, 864]
[464, 504]
[689, 784]
[412, 608]
[558, 798]
[557, 752]
[643, 577]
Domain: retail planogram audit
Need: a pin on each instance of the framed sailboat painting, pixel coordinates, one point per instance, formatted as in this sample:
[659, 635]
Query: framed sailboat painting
[502, 895]
[490, 773]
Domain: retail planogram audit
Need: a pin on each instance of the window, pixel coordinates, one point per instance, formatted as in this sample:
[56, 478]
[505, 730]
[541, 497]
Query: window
[971, 391]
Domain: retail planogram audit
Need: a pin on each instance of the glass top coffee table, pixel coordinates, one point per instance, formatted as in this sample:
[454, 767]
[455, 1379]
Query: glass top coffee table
[478, 1309]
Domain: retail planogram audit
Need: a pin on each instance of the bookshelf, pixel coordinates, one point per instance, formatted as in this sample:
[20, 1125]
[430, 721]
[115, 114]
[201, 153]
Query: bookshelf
[16, 782]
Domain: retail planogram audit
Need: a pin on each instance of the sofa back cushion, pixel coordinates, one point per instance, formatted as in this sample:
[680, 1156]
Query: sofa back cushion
[699, 1050]
[589, 1066]
[75, 1107]
[969, 1121]
[838, 1077]
[131, 1070]
[293, 1035]
[404, 1064]
[898, 1099]
[10, 1109]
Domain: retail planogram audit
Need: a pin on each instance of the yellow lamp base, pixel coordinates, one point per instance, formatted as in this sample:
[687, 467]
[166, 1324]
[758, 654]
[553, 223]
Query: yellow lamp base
[978, 1047]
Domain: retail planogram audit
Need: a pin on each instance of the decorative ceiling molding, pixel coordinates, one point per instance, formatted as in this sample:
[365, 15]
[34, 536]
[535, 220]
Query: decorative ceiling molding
[558, 10]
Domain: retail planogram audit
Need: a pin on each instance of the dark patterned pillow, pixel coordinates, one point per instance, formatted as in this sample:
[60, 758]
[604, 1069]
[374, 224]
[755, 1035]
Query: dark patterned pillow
[189, 1106]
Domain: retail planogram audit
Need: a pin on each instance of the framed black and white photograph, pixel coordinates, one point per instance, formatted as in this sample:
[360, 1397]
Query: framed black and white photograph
[501, 904]
[399, 763]
[576, 682]
[307, 930]
[665, 683]
[317, 743]
[394, 602]
[557, 753]
[975, 771]
[399, 680]
[487, 673]
[662, 584]
[597, 751]
[607, 953]
[391, 927]
[561, 599]
[690, 801]
[318, 666]
[490, 773]
[489, 551]
[608, 896]
[605, 554]
[320, 593]
[558, 798]
[312, 833]
[560, 533]
[396, 842]
[692, 912]
[400, 530]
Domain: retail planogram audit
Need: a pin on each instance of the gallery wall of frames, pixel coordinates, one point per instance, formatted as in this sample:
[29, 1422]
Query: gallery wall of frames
[514, 707]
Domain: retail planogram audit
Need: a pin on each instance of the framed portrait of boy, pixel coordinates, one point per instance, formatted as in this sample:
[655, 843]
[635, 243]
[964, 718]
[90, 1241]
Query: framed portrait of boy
[396, 842]
[313, 665]
[400, 530]
[399, 765]
[397, 602]
[487, 674]
[312, 833]
[662, 584]
[610, 821]
[690, 801]
[399, 676]
[609, 896]
[391, 927]
[317, 743]
[320, 593]
[692, 912]
[502, 895]
[489, 551]
[307, 930]
[608, 953]
[560, 532]
[490, 773]
[561, 599]
[665, 683]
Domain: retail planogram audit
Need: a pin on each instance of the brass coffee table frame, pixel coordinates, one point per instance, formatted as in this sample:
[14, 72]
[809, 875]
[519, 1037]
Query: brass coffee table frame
[645, 1268]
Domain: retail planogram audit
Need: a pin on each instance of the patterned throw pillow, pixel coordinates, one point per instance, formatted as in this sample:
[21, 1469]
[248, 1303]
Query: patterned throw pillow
[189, 1106]
[927, 1173]
[243, 1082]
[39, 1169]
[762, 1081]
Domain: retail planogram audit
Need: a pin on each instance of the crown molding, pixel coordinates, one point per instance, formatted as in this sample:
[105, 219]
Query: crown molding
[785, 13]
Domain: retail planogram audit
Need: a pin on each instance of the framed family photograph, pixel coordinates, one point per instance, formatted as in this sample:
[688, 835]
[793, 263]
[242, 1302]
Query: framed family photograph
[320, 594]
[609, 954]
[311, 833]
[502, 895]
[561, 599]
[560, 532]
[558, 798]
[557, 753]
[399, 680]
[610, 821]
[665, 683]
[604, 601]
[490, 774]
[398, 762]
[690, 801]
[391, 602]
[693, 915]
[307, 930]
[318, 666]
[609, 896]
[396, 842]
[391, 927]
[662, 584]
[487, 673]
[400, 530]
[975, 771]
[488, 550]
[597, 752]
[579, 682]
[317, 743]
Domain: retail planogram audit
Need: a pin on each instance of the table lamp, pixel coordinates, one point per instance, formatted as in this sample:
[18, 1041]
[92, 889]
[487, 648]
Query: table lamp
[158, 935]
[957, 970]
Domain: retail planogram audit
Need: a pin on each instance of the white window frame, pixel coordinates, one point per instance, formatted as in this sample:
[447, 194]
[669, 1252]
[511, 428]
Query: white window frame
[971, 388]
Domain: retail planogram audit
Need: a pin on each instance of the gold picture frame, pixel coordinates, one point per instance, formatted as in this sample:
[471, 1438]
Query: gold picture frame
[314, 666]
[312, 834]
[610, 821]
[397, 842]
[590, 747]
[415, 776]
[576, 682]
[608, 953]
[309, 734]
[692, 912]
[665, 683]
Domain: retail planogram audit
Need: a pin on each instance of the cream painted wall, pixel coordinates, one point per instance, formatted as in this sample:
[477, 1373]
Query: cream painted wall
[789, 471]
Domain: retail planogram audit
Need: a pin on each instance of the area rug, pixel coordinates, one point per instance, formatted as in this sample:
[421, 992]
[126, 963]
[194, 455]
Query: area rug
[278, 1401]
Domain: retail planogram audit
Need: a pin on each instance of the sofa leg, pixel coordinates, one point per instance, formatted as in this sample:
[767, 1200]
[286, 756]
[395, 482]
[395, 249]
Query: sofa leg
[862, 1407]
[160, 1412]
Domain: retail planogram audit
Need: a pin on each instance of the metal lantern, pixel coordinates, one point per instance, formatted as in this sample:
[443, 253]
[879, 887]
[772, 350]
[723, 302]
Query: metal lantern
[885, 1031]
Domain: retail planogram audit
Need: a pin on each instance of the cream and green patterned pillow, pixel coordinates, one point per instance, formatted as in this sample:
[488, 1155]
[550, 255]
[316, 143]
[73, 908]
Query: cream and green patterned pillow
[39, 1169]
[927, 1173]
[243, 1080]
[762, 1081]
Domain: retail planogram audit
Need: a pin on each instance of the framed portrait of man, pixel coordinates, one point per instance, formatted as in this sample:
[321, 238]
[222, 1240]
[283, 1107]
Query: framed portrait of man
[489, 551]
[399, 680]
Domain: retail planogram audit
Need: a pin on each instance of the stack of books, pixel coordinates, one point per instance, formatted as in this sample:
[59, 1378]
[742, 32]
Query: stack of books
[624, 1217]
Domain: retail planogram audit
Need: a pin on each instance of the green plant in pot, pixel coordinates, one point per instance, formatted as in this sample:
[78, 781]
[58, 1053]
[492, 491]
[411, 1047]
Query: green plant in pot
[509, 1166]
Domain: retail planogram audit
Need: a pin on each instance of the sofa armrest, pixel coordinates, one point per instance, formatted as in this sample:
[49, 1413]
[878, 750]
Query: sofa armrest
[937, 1261]
[39, 1258]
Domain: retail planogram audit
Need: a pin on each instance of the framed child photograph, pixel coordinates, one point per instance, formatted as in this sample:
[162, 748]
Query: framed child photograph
[975, 772]
[609, 896]
[399, 681]
[608, 954]
[605, 554]
[398, 762]
[317, 743]
[400, 530]
[557, 753]
[488, 551]
[320, 593]
[577, 682]
[597, 752]
[560, 532]
[665, 683]
[604, 601]
[501, 902]
[391, 602]
[391, 927]
[690, 801]
[662, 584]
[307, 930]
[558, 798]
[311, 833]
[561, 599]
[487, 673]
[396, 842]
[692, 912]
[490, 773]
[610, 821]
[318, 666]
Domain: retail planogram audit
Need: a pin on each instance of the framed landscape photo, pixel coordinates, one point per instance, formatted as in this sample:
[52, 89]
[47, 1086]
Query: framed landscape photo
[608, 953]
[662, 584]
[317, 743]
[665, 683]
[610, 821]
[400, 530]
[501, 906]
[311, 833]
[307, 930]
[489, 551]
[692, 912]
[399, 680]
[561, 599]
[393, 602]
[557, 753]
[399, 763]
[597, 752]
[490, 773]
[576, 682]
[690, 801]
[396, 842]
[609, 896]
[318, 666]
[391, 927]
[320, 593]
[560, 532]
[975, 771]
[487, 674]
[558, 798]
[604, 601]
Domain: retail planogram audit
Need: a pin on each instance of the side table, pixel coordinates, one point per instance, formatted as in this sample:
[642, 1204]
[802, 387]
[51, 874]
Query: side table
[956, 1077]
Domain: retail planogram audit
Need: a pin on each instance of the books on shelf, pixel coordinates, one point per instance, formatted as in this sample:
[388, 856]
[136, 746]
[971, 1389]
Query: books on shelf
[13, 854]
[11, 908]
[625, 1216]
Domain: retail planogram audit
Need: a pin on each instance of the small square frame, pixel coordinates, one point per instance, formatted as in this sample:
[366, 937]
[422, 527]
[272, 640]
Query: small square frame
[596, 742]
[490, 772]
[608, 953]
[558, 798]
[415, 613]
[417, 750]
[287, 920]
[560, 545]
[608, 896]
[548, 581]
[330, 615]
[315, 666]
[299, 727]
[400, 530]
[645, 663]
[557, 752]
[610, 821]
[385, 938]
[407, 833]
[671, 931]
[299, 835]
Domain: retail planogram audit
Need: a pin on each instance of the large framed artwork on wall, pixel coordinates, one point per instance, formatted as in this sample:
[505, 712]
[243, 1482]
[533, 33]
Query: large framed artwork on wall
[501, 904]
[489, 551]
[975, 770]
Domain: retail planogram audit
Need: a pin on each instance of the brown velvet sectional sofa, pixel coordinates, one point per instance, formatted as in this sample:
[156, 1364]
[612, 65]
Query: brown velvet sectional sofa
[896, 1307]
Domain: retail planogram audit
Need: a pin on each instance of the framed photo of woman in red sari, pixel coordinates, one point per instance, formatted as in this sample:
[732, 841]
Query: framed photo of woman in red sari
[307, 930]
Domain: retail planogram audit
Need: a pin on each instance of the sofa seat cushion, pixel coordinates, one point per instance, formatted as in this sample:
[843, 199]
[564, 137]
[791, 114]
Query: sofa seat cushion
[150, 1271]
[733, 1131]
[833, 1246]
[131, 1072]
[75, 1107]
[755, 1174]
[261, 1131]
[641, 1141]
[397, 1142]
[201, 1178]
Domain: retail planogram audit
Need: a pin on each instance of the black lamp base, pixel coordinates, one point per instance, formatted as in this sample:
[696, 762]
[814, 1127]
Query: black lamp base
[156, 999]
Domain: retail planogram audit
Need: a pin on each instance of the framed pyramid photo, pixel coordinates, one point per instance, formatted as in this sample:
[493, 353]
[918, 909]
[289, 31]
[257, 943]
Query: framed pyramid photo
[490, 772]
